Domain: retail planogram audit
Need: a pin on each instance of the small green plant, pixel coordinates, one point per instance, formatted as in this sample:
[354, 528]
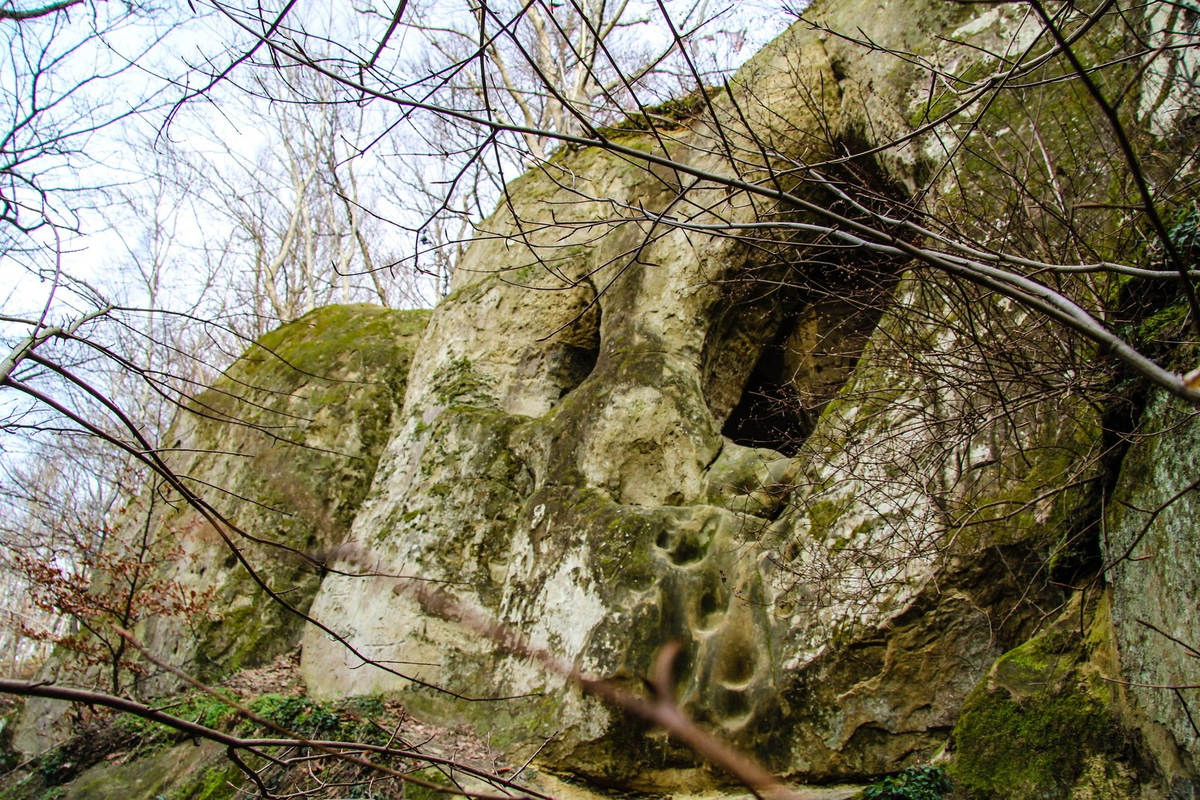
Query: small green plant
[366, 706]
[52, 765]
[915, 783]
[209, 711]
[1185, 233]
[298, 714]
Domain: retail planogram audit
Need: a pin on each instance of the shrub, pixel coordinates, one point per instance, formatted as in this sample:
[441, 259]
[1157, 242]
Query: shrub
[914, 783]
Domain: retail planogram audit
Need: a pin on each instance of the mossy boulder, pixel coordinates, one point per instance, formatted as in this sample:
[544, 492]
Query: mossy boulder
[1045, 723]
[1035, 748]
[173, 769]
[283, 447]
[289, 438]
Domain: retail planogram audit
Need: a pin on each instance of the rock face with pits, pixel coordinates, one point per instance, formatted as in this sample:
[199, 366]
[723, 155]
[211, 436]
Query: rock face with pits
[852, 491]
[621, 433]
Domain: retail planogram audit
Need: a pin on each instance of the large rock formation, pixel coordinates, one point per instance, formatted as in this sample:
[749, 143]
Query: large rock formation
[874, 505]
[290, 438]
[1152, 544]
[621, 433]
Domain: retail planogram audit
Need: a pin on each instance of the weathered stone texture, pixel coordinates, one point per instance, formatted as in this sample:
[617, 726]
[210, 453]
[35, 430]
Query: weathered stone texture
[846, 487]
[564, 464]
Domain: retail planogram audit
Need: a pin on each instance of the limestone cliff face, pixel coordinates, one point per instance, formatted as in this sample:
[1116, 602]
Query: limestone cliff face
[284, 446]
[865, 499]
[588, 451]
[1156, 578]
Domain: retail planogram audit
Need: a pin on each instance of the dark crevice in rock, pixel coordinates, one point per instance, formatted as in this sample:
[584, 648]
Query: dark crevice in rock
[557, 364]
[797, 322]
[801, 371]
[576, 351]
[769, 414]
[747, 322]
[570, 366]
[1079, 557]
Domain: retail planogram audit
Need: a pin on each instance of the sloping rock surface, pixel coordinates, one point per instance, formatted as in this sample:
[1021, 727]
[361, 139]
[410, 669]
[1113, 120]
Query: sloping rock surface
[283, 447]
[586, 452]
[867, 501]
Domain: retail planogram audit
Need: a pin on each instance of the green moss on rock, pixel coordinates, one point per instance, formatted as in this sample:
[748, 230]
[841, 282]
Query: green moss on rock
[1031, 749]
[1043, 724]
[291, 434]
[221, 781]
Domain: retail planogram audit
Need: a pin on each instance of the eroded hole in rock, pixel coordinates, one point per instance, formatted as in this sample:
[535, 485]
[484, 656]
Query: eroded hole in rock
[683, 666]
[710, 608]
[800, 372]
[569, 365]
[684, 547]
[731, 706]
[689, 550]
[553, 368]
[735, 665]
